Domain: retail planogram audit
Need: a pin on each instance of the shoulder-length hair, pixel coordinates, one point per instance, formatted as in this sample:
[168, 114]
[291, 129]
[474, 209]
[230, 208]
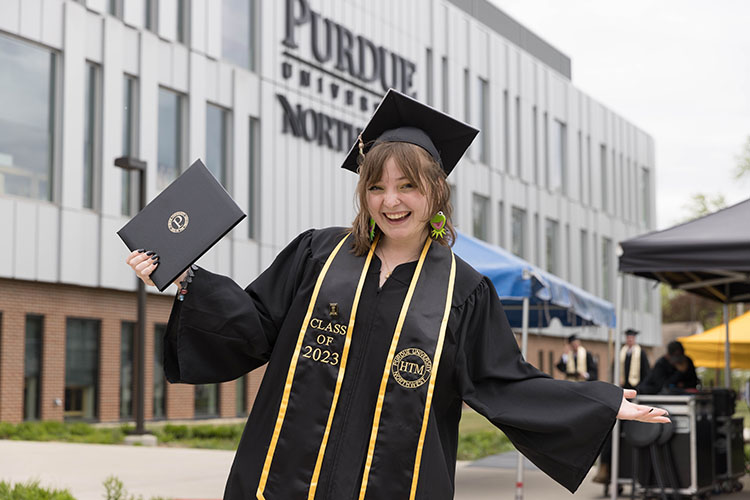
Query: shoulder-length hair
[420, 169]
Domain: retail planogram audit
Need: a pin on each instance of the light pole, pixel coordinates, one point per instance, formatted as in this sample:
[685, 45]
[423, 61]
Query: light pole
[133, 164]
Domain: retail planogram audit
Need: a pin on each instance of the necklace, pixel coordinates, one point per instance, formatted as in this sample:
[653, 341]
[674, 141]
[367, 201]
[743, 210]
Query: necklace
[388, 268]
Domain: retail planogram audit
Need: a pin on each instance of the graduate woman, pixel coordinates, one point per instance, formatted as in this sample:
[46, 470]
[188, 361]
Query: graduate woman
[375, 335]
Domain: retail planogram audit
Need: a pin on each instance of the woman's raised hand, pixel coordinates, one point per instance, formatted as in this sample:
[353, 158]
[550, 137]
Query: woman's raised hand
[143, 263]
[642, 413]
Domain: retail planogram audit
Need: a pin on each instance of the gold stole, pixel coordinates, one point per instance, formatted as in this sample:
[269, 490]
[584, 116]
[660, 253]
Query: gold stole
[577, 366]
[634, 374]
[317, 368]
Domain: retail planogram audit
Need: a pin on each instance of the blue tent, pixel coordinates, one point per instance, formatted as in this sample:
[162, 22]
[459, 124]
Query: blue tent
[549, 296]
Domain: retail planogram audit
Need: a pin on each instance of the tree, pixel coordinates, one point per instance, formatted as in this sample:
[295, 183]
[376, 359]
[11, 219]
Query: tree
[703, 204]
[743, 162]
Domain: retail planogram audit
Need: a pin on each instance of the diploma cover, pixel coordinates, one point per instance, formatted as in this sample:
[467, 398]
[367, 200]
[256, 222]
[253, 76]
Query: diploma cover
[183, 222]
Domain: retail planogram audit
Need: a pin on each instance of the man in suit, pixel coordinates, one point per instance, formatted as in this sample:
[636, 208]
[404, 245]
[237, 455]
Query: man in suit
[576, 362]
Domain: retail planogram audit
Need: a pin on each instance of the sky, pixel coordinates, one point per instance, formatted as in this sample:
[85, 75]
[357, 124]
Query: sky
[677, 69]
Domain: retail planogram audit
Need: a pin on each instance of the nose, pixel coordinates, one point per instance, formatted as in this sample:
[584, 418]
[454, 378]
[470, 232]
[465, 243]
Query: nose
[391, 199]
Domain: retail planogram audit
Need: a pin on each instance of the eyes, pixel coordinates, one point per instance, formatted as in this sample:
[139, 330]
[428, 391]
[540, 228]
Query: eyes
[407, 186]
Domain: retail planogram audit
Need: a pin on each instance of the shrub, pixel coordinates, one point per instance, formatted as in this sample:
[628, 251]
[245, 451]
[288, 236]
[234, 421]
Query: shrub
[31, 491]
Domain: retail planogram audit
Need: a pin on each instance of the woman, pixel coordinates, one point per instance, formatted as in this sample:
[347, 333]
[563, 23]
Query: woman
[374, 337]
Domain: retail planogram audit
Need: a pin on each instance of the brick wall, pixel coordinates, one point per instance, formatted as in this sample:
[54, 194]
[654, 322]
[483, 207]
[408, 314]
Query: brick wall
[56, 303]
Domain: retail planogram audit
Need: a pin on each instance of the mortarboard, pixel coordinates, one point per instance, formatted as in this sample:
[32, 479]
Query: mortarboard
[631, 331]
[400, 118]
[572, 338]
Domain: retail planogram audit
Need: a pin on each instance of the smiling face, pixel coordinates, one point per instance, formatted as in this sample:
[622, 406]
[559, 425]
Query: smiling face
[400, 210]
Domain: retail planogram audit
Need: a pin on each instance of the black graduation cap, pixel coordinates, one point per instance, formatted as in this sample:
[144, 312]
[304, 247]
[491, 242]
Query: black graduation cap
[400, 118]
[572, 338]
[631, 331]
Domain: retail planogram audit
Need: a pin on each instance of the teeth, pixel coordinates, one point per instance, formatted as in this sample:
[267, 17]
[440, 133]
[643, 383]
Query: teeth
[396, 216]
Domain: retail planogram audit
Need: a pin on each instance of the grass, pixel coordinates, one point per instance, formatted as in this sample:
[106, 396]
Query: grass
[31, 491]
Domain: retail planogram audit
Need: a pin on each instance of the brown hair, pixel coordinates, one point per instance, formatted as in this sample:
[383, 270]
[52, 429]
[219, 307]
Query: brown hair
[420, 169]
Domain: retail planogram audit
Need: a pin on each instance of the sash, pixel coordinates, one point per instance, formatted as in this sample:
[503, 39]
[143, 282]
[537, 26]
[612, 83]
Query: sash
[634, 374]
[317, 369]
[578, 365]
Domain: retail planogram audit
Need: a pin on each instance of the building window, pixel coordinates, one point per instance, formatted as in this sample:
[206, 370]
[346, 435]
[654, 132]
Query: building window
[535, 146]
[519, 137]
[127, 352]
[238, 32]
[467, 96]
[506, 132]
[171, 132]
[501, 224]
[92, 125]
[207, 400]
[446, 79]
[81, 368]
[483, 108]
[557, 172]
[429, 77]
[253, 218]
[585, 259]
[646, 197]
[546, 149]
[32, 367]
[241, 395]
[551, 245]
[537, 246]
[183, 21]
[217, 147]
[604, 182]
[160, 390]
[607, 268]
[115, 8]
[480, 215]
[590, 195]
[151, 15]
[27, 119]
[580, 166]
[518, 228]
[129, 143]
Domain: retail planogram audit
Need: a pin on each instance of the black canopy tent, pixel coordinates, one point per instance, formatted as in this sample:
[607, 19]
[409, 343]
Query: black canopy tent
[708, 256]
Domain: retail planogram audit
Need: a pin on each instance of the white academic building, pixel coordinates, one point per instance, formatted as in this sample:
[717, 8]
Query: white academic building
[271, 94]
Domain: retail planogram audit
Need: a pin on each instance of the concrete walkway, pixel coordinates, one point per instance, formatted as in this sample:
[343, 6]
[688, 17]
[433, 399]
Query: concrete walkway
[184, 473]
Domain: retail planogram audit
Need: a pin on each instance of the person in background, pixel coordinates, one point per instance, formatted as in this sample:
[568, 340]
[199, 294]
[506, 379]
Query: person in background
[576, 362]
[634, 368]
[673, 372]
[634, 365]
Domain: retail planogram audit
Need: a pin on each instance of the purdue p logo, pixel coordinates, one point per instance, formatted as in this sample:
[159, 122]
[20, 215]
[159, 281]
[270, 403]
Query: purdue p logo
[411, 367]
[178, 222]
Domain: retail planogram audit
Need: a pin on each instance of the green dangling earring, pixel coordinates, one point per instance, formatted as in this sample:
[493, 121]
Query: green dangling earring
[438, 225]
[372, 229]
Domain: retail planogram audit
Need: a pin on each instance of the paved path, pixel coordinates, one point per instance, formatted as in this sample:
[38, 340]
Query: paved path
[184, 473]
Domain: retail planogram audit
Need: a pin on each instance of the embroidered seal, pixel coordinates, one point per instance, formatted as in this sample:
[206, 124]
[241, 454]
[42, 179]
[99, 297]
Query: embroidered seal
[411, 367]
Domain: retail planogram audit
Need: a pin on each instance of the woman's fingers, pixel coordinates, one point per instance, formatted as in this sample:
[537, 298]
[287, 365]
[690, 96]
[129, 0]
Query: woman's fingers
[629, 393]
[143, 263]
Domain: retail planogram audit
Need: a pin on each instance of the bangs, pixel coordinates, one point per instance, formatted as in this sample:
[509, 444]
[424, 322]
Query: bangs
[409, 158]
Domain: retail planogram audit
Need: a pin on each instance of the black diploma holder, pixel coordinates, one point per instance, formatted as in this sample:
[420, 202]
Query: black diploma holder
[182, 223]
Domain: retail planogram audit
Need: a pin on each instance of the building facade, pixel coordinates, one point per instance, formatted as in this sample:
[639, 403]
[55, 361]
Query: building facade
[271, 94]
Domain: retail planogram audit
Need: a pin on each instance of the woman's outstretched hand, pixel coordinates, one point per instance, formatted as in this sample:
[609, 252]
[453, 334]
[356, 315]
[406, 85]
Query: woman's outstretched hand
[631, 411]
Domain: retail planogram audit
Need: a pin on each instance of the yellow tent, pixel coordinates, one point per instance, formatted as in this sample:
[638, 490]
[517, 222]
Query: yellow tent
[707, 349]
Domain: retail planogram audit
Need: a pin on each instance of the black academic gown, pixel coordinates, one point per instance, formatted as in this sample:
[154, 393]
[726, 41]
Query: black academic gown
[221, 332]
[665, 378]
[592, 368]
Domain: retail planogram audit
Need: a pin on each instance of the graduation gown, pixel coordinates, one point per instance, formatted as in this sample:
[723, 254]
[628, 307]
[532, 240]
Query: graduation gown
[643, 371]
[591, 366]
[221, 331]
[665, 378]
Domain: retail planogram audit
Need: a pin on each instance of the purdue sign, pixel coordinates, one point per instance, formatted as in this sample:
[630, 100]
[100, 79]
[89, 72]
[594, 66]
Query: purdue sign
[343, 67]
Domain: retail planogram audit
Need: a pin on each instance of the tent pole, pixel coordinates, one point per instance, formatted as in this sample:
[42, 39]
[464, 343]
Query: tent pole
[727, 370]
[524, 346]
[615, 461]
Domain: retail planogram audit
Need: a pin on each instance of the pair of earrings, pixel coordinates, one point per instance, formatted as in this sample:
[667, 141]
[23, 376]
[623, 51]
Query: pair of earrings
[437, 223]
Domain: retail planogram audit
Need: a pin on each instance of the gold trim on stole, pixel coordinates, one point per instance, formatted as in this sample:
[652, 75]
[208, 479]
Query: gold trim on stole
[340, 379]
[387, 370]
[290, 373]
[433, 378]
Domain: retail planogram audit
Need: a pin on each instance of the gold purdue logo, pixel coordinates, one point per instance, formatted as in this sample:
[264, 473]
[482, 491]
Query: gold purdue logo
[411, 367]
[178, 221]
